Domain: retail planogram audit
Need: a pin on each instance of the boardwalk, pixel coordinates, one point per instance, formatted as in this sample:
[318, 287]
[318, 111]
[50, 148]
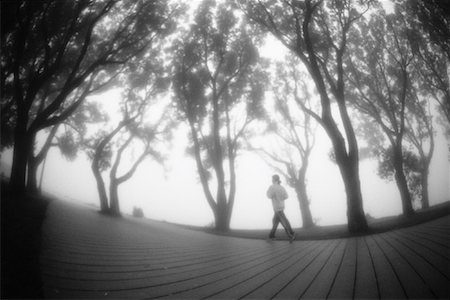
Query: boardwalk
[86, 255]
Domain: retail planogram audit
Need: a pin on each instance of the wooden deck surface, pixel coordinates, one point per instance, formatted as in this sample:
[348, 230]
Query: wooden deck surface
[87, 255]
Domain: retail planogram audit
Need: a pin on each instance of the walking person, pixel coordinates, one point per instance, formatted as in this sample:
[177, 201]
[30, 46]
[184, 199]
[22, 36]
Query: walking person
[278, 194]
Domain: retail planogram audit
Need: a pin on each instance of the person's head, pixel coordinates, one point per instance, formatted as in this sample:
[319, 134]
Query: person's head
[276, 179]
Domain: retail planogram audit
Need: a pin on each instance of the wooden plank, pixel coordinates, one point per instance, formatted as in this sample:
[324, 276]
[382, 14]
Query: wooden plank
[413, 284]
[389, 284]
[322, 283]
[298, 251]
[168, 279]
[366, 284]
[146, 279]
[55, 271]
[426, 251]
[227, 276]
[441, 247]
[304, 277]
[435, 281]
[86, 255]
[271, 288]
[225, 283]
[344, 283]
[440, 239]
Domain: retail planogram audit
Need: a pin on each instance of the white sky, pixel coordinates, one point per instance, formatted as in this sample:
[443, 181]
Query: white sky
[174, 194]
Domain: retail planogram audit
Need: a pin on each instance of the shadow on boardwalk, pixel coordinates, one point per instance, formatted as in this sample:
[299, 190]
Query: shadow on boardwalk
[87, 255]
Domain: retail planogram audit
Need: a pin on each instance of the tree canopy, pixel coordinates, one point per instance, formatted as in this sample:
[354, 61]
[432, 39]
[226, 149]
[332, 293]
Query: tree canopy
[218, 87]
[363, 73]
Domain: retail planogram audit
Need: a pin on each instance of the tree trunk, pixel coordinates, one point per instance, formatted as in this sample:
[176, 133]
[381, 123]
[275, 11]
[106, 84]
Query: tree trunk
[22, 147]
[114, 198]
[104, 208]
[300, 189]
[222, 206]
[348, 162]
[401, 182]
[424, 179]
[33, 165]
[41, 178]
[222, 216]
[349, 169]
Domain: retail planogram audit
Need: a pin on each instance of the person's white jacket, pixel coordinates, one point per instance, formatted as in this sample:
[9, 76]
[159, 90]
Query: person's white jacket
[278, 195]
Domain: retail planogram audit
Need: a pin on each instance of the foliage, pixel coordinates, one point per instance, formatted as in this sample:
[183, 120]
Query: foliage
[144, 124]
[412, 168]
[386, 72]
[57, 52]
[219, 87]
[293, 127]
[433, 17]
[293, 130]
[317, 33]
[429, 37]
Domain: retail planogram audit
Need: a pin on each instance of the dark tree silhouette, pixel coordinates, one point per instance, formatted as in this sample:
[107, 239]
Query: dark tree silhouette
[75, 123]
[295, 131]
[317, 32]
[51, 49]
[35, 160]
[429, 37]
[380, 74]
[433, 17]
[106, 151]
[66, 136]
[218, 90]
[412, 167]
[145, 83]
[419, 132]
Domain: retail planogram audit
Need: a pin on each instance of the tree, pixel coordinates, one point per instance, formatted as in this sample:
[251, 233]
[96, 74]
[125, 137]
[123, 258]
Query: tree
[52, 49]
[412, 168]
[380, 71]
[218, 90]
[420, 133]
[65, 135]
[35, 160]
[295, 132]
[429, 37]
[317, 32]
[144, 83]
[434, 19]
[106, 150]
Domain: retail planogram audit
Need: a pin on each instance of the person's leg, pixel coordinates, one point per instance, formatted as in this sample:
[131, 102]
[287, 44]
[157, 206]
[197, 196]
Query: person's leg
[285, 222]
[275, 222]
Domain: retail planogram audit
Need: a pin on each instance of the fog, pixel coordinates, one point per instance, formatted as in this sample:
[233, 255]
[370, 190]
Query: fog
[173, 192]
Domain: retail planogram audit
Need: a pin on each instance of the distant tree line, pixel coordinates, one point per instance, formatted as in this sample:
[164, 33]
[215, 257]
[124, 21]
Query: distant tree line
[366, 76]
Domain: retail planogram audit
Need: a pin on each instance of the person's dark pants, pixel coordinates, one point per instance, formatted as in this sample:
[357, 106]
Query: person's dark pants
[280, 217]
